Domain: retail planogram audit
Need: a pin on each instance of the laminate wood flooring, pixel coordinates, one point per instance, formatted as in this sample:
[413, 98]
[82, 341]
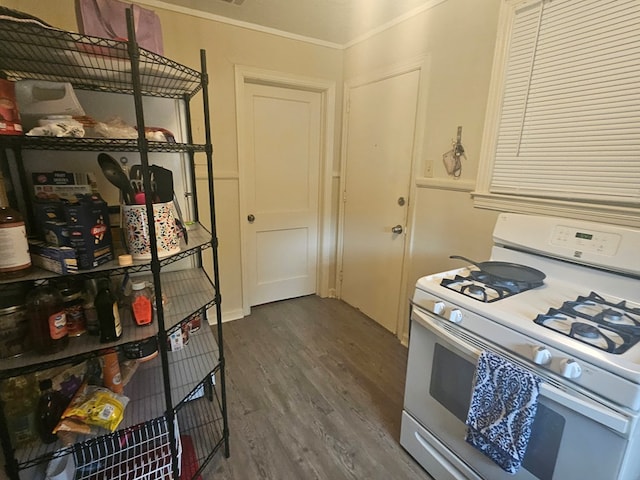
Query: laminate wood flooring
[314, 391]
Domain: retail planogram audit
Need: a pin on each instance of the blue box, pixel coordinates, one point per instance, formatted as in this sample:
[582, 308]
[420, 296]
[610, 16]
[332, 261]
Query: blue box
[89, 230]
[57, 233]
[61, 260]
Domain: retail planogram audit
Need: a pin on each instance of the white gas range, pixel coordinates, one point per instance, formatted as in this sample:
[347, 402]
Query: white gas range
[564, 303]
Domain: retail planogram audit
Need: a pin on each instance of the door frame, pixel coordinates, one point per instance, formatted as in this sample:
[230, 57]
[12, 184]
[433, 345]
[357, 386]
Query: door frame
[327, 90]
[420, 64]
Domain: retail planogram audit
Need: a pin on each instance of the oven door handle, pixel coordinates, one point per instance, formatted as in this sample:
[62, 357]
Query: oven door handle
[473, 346]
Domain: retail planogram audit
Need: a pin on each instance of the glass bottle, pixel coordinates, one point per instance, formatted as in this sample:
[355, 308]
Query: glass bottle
[50, 408]
[20, 400]
[14, 247]
[141, 304]
[106, 305]
[89, 307]
[47, 320]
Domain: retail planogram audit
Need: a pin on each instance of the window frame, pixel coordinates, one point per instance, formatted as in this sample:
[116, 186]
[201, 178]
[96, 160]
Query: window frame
[483, 197]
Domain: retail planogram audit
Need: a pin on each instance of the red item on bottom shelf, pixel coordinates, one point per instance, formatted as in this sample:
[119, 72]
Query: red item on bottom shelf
[189, 460]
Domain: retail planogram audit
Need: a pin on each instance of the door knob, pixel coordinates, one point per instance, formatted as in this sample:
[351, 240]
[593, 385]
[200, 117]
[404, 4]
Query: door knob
[251, 218]
[397, 229]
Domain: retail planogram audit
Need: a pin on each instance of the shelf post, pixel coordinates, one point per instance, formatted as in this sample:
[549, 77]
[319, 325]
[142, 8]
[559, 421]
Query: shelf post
[214, 233]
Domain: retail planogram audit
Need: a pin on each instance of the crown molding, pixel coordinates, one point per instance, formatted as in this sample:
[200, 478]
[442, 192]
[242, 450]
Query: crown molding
[292, 36]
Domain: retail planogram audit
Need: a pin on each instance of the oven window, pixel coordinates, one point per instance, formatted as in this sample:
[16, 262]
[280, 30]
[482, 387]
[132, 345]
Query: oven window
[451, 381]
[451, 385]
[544, 443]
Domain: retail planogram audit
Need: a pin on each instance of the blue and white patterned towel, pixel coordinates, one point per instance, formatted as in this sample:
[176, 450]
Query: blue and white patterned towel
[503, 407]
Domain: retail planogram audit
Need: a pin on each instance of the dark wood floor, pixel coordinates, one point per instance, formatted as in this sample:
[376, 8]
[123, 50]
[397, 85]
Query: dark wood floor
[314, 391]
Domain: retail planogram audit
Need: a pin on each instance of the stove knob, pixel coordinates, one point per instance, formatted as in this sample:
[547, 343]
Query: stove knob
[570, 368]
[541, 355]
[455, 315]
[438, 307]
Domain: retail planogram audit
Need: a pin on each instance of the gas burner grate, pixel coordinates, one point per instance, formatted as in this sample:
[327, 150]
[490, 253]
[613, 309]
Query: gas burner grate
[486, 288]
[612, 327]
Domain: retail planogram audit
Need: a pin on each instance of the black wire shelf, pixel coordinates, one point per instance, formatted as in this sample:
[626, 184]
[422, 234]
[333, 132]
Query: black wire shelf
[36, 52]
[188, 292]
[199, 240]
[144, 444]
[198, 407]
[90, 144]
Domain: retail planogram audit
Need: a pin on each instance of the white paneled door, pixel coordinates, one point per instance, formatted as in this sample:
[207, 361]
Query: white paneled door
[280, 175]
[381, 124]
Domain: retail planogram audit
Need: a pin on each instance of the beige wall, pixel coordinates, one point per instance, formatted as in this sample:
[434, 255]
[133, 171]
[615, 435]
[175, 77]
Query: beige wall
[458, 36]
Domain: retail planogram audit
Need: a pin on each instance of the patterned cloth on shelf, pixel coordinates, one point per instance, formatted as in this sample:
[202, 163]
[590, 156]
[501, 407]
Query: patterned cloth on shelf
[503, 407]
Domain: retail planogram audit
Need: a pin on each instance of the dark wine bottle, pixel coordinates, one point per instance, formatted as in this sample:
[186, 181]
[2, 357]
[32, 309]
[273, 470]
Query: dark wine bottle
[106, 305]
[51, 406]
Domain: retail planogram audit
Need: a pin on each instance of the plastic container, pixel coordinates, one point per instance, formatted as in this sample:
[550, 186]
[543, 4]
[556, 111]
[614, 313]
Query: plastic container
[111, 375]
[14, 325]
[141, 303]
[142, 351]
[14, 331]
[47, 320]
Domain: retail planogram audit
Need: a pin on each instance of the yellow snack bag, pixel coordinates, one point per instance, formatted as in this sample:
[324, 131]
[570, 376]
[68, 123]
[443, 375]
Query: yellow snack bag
[96, 406]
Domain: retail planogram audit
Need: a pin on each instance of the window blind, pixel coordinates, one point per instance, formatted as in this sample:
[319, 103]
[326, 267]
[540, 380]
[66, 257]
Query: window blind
[569, 125]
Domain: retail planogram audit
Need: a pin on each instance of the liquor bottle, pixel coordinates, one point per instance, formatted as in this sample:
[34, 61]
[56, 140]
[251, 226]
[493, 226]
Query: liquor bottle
[51, 406]
[106, 305]
[14, 247]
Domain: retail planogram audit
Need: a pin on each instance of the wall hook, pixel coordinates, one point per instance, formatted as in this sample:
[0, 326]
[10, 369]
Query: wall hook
[453, 158]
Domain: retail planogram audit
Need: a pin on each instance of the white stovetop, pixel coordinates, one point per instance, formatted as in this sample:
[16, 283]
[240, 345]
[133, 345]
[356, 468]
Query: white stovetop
[564, 282]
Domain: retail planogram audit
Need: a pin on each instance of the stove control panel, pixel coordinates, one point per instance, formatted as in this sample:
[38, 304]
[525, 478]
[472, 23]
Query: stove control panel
[586, 240]
[606, 246]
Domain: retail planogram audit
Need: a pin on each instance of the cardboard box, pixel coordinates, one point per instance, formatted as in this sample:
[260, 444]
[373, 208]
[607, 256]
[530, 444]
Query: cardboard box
[56, 233]
[50, 224]
[62, 185]
[89, 230]
[61, 260]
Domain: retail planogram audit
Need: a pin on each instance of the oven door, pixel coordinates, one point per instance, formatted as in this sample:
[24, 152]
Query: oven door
[573, 436]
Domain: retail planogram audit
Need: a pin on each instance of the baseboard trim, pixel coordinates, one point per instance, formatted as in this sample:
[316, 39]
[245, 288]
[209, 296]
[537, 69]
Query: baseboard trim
[226, 316]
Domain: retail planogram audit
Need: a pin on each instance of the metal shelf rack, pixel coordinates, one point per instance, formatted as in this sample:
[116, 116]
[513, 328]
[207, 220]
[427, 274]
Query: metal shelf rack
[176, 419]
